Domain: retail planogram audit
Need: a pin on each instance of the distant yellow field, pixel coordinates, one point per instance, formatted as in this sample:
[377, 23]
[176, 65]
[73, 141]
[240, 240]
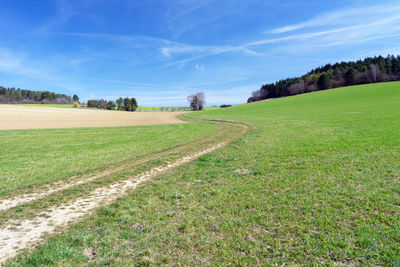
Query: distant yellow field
[31, 117]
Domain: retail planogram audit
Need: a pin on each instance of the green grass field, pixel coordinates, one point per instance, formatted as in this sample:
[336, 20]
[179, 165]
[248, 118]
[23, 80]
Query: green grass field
[315, 182]
[172, 108]
[33, 157]
[141, 108]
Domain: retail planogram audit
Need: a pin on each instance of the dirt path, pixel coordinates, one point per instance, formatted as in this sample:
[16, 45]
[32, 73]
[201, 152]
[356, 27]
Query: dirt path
[16, 235]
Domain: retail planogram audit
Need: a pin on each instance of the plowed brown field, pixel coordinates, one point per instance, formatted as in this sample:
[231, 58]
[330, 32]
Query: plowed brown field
[24, 117]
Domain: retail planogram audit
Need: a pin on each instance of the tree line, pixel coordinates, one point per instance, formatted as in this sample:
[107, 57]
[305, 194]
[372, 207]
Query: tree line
[23, 96]
[369, 70]
[126, 104]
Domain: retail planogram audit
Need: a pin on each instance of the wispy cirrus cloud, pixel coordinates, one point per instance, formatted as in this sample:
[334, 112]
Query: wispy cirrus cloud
[336, 28]
[180, 19]
[64, 11]
[13, 62]
[169, 49]
[380, 29]
[349, 26]
[367, 29]
[195, 52]
[186, 11]
[349, 16]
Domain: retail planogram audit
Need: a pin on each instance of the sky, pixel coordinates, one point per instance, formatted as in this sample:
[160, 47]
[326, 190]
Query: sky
[161, 51]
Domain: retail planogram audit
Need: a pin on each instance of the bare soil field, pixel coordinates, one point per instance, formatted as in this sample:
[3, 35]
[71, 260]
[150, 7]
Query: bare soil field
[23, 117]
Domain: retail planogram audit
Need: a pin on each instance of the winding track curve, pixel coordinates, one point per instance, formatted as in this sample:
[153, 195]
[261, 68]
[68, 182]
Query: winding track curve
[16, 235]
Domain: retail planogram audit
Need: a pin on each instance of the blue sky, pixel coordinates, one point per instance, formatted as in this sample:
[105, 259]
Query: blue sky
[160, 51]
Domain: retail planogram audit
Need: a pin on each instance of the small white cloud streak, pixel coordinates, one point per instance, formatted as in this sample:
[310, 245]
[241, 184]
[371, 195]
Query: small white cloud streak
[64, 12]
[188, 11]
[182, 23]
[199, 67]
[203, 51]
[288, 28]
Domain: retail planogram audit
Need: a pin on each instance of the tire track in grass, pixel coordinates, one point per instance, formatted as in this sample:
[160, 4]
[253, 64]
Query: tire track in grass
[46, 190]
[16, 235]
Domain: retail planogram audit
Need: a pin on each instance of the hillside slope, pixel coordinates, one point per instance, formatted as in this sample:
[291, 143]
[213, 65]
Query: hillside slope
[324, 183]
[315, 181]
[369, 70]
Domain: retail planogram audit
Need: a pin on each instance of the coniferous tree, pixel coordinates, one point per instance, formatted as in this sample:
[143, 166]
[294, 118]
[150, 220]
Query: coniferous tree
[12, 95]
[127, 104]
[324, 82]
[75, 98]
[350, 76]
[133, 103]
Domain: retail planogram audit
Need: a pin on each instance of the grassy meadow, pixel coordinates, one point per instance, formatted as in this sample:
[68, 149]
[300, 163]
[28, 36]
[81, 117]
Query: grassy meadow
[34, 157]
[144, 109]
[316, 181]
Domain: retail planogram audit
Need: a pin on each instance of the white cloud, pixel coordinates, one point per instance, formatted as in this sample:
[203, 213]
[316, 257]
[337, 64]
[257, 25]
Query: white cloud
[165, 51]
[199, 67]
[287, 28]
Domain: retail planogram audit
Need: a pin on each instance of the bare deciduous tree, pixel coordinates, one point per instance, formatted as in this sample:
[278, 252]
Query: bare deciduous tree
[256, 94]
[197, 101]
[373, 72]
[302, 86]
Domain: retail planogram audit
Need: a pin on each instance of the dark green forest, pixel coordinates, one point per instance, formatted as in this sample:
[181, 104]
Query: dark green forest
[369, 70]
[22, 96]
